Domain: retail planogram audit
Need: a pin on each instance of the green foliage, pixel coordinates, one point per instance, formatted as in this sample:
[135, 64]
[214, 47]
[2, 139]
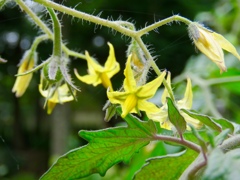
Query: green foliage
[204, 119]
[166, 167]
[176, 118]
[105, 148]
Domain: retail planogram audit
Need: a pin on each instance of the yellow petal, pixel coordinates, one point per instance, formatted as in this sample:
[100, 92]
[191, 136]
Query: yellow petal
[226, 45]
[197, 124]
[111, 65]
[93, 65]
[129, 104]
[93, 79]
[186, 102]
[117, 97]
[165, 92]
[160, 116]
[50, 106]
[22, 82]
[129, 83]
[106, 81]
[148, 90]
[146, 106]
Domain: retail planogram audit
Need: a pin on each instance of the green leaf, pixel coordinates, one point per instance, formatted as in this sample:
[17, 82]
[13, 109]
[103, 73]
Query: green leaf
[133, 122]
[208, 121]
[225, 124]
[201, 141]
[223, 166]
[175, 117]
[105, 148]
[156, 148]
[166, 167]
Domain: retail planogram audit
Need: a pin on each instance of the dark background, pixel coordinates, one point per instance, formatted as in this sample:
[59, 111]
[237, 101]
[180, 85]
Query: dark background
[29, 138]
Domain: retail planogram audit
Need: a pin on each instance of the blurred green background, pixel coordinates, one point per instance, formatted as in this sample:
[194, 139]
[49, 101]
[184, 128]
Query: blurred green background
[30, 140]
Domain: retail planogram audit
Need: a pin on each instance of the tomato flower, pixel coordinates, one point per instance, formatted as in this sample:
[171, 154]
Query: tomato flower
[211, 44]
[100, 74]
[134, 98]
[185, 103]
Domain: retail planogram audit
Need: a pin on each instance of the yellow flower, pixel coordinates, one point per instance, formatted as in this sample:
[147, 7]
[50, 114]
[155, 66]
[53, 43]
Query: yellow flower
[55, 94]
[99, 74]
[135, 97]
[211, 44]
[22, 82]
[186, 103]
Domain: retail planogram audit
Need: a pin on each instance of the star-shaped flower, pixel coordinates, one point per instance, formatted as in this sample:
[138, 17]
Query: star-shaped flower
[211, 44]
[186, 103]
[100, 74]
[134, 98]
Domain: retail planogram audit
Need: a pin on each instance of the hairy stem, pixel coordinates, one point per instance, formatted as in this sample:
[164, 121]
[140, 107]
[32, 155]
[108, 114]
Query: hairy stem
[87, 17]
[45, 29]
[154, 65]
[161, 23]
[57, 41]
[183, 142]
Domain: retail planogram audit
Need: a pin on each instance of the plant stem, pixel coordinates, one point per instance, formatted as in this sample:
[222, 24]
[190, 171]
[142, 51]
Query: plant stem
[45, 29]
[87, 17]
[154, 65]
[161, 23]
[57, 41]
[183, 142]
[214, 81]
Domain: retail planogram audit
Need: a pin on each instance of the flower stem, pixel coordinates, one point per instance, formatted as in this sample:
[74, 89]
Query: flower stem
[154, 65]
[45, 29]
[161, 23]
[87, 17]
[57, 40]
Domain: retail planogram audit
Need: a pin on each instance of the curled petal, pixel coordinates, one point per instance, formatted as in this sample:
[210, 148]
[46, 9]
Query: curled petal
[148, 90]
[226, 45]
[186, 102]
[129, 83]
[165, 92]
[88, 79]
[111, 66]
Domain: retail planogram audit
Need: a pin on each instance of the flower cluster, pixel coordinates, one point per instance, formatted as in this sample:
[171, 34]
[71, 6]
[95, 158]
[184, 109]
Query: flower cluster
[57, 87]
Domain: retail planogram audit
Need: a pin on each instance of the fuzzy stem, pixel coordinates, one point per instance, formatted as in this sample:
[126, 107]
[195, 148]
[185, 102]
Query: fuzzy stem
[154, 65]
[45, 29]
[87, 17]
[57, 40]
[163, 22]
[183, 142]
[115, 25]
[36, 19]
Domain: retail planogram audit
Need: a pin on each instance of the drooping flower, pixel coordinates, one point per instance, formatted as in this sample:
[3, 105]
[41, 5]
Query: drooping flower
[185, 103]
[27, 63]
[211, 44]
[100, 74]
[134, 98]
[55, 93]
